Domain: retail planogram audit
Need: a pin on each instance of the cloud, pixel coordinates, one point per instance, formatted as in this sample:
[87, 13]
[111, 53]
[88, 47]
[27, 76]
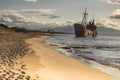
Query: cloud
[112, 1]
[111, 24]
[42, 11]
[53, 17]
[25, 0]
[50, 16]
[47, 11]
[16, 15]
[16, 19]
[116, 17]
[116, 14]
[31, 0]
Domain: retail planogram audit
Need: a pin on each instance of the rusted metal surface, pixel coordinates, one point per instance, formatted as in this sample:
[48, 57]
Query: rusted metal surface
[82, 31]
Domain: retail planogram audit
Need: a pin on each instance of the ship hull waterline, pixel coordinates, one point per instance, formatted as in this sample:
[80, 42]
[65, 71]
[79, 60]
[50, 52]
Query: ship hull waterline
[82, 31]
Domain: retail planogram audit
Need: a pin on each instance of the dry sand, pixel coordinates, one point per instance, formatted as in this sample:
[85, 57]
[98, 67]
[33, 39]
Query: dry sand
[45, 63]
[13, 47]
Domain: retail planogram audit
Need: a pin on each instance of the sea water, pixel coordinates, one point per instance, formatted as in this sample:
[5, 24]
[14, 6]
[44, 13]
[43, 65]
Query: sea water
[101, 52]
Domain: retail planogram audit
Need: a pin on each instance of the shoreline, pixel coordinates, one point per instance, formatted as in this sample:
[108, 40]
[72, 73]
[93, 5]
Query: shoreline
[50, 64]
[96, 65]
[83, 53]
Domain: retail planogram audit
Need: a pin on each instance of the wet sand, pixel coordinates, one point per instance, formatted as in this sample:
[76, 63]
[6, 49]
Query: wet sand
[45, 63]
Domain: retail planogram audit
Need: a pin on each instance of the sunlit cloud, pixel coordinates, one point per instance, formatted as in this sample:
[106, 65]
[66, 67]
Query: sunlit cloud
[16, 19]
[31, 0]
[116, 14]
[42, 11]
[19, 18]
[25, 0]
[50, 13]
[111, 24]
[112, 1]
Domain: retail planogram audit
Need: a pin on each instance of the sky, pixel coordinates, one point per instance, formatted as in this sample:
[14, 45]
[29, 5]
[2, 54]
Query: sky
[58, 13]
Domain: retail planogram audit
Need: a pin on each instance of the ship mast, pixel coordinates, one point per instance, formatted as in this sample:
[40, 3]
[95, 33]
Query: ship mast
[84, 22]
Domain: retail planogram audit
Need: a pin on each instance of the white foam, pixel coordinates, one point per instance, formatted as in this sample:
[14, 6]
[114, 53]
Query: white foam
[106, 69]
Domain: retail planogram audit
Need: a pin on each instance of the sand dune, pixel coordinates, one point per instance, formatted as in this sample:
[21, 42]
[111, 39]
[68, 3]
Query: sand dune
[48, 64]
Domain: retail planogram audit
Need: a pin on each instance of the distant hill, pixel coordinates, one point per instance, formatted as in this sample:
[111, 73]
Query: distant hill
[4, 29]
[68, 29]
[101, 30]
[108, 31]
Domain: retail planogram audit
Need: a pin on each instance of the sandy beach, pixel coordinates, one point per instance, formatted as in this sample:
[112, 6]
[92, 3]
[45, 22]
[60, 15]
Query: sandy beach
[45, 63]
[59, 39]
[26, 56]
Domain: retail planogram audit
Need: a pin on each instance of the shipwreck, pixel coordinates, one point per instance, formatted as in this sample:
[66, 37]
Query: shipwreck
[85, 29]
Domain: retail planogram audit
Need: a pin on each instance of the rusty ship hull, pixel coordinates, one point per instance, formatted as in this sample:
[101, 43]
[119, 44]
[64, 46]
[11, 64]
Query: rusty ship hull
[82, 31]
